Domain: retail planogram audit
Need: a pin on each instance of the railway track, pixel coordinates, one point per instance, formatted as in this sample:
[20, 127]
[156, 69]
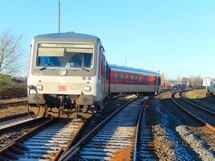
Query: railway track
[14, 120]
[114, 138]
[142, 149]
[5, 104]
[207, 105]
[178, 135]
[137, 147]
[198, 112]
[46, 142]
[12, 132]
[12, 108]
[27, 151]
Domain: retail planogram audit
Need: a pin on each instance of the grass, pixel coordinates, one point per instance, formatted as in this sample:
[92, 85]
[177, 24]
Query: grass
[195, 94]
[199, 96]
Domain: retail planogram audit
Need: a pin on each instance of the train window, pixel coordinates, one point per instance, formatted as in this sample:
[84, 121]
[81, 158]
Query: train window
[132, 78]
[48, 61]
[145, 80]
[127, 78]
[65, 55]
[140, 79]
[79, 59]
[116, 77]
[149, 80]
[136, 79]
[49, 56]
[121, 77]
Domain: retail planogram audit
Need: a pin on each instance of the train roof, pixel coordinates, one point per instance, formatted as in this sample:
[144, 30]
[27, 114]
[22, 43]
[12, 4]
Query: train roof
[132, 70]
[67, 35]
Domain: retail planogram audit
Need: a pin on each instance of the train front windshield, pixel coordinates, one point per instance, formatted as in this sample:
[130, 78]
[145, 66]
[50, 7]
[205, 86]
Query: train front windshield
[65, 55]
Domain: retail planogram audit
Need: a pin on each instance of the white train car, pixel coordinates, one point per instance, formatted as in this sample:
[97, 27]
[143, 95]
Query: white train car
[68, 75]
[132, 80]
[211, 88]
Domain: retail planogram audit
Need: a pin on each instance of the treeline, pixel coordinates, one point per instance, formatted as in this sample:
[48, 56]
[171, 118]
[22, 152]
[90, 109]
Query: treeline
[194, 81]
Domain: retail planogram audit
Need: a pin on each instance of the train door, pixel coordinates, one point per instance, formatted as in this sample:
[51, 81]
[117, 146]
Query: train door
[104, 75]
[157, 85]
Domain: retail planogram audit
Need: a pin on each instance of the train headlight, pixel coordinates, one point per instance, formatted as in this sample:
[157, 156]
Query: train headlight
[39, 87]
[63, 72]
[87, 88]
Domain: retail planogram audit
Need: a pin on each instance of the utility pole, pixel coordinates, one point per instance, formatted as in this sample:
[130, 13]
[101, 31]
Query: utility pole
[59, 16]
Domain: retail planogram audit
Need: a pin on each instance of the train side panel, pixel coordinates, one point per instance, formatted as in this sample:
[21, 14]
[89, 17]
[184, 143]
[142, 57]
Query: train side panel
[130, 80]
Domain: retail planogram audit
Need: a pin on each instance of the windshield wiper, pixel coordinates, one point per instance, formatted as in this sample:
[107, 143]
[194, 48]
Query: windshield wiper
[44, 67]
[85, 69]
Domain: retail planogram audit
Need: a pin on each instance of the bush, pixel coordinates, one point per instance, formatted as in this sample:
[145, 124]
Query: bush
[10, 89]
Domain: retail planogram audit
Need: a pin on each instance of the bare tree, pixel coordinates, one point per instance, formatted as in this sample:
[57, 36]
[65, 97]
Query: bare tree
[11, 53]
[163, 79]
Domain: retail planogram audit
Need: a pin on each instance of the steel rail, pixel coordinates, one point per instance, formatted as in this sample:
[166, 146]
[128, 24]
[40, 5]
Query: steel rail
[6, 104]
[72, 151]
[137, 131]
[10, 117]
[6, 150]
[20, 124]
[200, 107]
[212, 128]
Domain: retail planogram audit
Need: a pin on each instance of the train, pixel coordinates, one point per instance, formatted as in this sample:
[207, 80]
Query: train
[69, 76]
[132, 80]
[211, 88]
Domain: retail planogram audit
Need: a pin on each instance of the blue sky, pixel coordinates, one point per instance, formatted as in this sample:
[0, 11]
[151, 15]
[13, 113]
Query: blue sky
[175, 37]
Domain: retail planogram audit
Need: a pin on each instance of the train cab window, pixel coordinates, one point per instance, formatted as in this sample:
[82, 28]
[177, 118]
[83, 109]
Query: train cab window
[65, 55]
[121, 77]
[49, 57]
[74, 61]
[48, 61]
[79, 60]
[87, 60]
[116, 77]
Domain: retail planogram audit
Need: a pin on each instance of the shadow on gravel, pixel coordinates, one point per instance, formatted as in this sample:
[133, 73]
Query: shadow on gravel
[171, 129]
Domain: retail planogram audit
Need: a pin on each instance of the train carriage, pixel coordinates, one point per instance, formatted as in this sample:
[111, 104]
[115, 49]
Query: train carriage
[211, 88]
[67, 72]
[132, 80]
